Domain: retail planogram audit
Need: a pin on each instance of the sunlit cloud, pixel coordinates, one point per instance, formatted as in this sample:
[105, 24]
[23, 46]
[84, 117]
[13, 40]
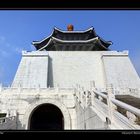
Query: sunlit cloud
[7, 49]
[3, 47]
[17, 50]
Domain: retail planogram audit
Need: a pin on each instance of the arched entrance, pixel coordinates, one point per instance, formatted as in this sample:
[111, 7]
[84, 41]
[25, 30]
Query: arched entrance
[26, 122]
[46, 117]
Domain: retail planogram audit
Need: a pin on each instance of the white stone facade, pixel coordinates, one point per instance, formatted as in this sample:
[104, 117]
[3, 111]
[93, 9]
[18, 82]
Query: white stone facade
[120, 71]
[50, 77]
[23, 103]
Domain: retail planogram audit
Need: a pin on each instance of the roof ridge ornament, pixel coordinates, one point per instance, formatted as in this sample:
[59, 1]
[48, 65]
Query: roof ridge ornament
[70, 27]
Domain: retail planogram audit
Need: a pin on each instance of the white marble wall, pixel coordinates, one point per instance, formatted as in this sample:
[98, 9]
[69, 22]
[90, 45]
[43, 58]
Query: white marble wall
[32, 71]
[18, 103]
[68, 68]
[120, 71]
[87, 119]
[76, 67]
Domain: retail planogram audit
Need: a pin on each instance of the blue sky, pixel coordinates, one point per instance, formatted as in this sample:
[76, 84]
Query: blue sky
[18, 28]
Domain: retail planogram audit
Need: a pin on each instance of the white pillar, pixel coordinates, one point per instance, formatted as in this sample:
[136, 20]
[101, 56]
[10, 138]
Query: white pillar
[8, 113]
[83, 96]
[132, 117]
[111, 106]
[92, 93]
[19, 88]
[92, 85]
[57, 88]
[76, 90]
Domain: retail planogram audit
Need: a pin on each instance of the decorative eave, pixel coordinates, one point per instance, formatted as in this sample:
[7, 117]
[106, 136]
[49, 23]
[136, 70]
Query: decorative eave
[56, 41]
[49, 42]
[38, 42]
[89, 36]
[55, 30]
[82, 41]
[74, 41]
[106, 43]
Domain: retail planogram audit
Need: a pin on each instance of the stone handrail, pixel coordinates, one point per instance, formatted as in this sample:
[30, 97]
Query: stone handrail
[132, 113]
[112, 104]
[100, 94]
[120, 104]
[126, 106]
[4, 119]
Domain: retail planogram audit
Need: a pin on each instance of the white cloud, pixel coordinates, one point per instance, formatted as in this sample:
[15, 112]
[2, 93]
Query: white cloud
[6, 49]
[3, 47]
[17, 50]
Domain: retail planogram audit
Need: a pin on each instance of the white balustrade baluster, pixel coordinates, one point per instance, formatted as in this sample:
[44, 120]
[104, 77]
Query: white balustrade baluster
[111, 106]
[132, 117]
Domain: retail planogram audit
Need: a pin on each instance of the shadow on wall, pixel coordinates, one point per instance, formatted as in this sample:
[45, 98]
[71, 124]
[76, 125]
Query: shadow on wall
[50, 73]
[19, 125]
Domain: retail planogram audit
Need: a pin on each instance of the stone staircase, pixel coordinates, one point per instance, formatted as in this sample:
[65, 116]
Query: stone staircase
[118, 112]
[8, 123]
[128, 99]
[115, 111]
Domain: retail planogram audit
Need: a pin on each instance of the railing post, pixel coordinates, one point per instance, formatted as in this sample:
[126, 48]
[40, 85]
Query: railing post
[92, 93]
[86, 98]
[132, 117]
[38, 89]
[82, 96]
[100, 98]
[16, 119]
[92, 85]
[19, 88]
[57, 88]
[76, 92]
[93, 98]
[8, 113]
[111, 106]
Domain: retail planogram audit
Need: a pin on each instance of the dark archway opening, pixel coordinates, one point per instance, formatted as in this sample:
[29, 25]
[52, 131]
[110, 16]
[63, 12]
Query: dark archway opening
[47, 117]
